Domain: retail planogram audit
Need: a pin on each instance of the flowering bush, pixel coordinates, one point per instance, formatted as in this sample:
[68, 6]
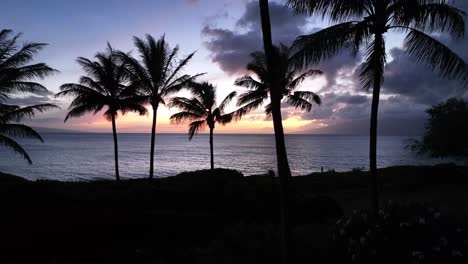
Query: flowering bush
[401, 234]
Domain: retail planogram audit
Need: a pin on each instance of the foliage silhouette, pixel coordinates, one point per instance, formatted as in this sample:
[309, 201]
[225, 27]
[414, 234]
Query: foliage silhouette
[446, 130]
[106, 84]
[158, 74]
[289, 78]
[202, 110]
[17, 77]
[364, 24]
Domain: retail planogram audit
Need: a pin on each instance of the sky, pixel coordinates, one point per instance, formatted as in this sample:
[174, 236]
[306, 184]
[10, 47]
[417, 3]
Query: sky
[223, 33]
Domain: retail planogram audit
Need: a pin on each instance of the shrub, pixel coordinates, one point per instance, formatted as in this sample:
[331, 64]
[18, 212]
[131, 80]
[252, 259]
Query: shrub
[211, 177]
[401, 234]
[243, 243]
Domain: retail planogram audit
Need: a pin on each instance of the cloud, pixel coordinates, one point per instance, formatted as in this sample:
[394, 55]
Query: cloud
[231, 49]
[31, 100]
[418, 81]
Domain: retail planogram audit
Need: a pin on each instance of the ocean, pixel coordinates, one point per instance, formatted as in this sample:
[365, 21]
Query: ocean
[87, 156]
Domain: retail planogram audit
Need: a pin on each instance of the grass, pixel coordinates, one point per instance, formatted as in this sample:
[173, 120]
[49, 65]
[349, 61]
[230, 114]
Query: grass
[200, 216]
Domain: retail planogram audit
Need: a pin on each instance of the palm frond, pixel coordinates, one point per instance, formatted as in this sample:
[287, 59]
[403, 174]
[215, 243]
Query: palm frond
[178, 68]
[324, 44]
[335, 10]
[298, 80]
[309, 96]
[374, 64]
[247, 108]
[429, 16]
[226, 101]
[23, 56]
[250, 96]
[184, 116]
[425, 49]
[225, 119]
[80, 110]
[248, 82]
[179, 84]
[192, 105]
[19, 114]
[11, 144]
[195, 127]
[20, 131]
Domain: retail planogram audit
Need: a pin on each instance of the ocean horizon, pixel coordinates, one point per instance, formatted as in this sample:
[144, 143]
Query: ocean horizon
[89, 156]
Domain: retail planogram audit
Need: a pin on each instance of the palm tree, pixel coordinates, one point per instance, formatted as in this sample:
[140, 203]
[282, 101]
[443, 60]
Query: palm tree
[15, 71]
[364, 23]
[260, 88]
[16, 75]
[274, 76]
[202, 110]
[288, 77]
[104, 85]
[15, 113]
[158, 74]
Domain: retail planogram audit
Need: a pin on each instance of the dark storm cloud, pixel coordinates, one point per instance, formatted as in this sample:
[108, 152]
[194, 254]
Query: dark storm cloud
[405, 77]
[231, 49]
[349, 114]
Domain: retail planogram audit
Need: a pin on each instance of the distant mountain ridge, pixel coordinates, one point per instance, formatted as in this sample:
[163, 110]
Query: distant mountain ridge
[55, 130]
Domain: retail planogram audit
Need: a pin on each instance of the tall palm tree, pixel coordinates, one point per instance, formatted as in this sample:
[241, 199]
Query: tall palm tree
[276, 91]
[288, 77]
[202, 110]
[104, 85]
[364, 23]
[287, 80]
[158, 73]
[16, 76]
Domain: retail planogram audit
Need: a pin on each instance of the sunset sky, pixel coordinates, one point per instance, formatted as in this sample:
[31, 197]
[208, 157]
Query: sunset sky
[223, 33]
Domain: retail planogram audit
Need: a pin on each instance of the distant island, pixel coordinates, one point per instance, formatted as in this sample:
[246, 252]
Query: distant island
[57, 130]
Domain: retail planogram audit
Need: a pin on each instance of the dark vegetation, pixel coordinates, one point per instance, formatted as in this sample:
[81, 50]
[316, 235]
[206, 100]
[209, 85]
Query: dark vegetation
[216, 216]
[446, 130]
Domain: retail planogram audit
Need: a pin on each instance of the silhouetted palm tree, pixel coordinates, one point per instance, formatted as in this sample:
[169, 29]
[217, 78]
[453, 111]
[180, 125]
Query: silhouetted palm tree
[288, 77]
[104, 85]
[158, 74]
[14, 113]
[16, 75]
[202, 110]
[365, 23]
[276, 91]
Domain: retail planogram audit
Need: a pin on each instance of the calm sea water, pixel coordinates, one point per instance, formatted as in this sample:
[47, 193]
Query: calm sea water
[90, 156]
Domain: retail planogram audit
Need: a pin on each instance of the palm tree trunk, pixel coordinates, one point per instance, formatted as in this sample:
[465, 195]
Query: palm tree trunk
[284, 172]
[374, 192]
[211, 149]
[116, 150]
[153, 138]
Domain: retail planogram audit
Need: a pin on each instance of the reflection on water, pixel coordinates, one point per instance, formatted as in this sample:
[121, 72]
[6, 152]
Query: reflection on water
[90, 156]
